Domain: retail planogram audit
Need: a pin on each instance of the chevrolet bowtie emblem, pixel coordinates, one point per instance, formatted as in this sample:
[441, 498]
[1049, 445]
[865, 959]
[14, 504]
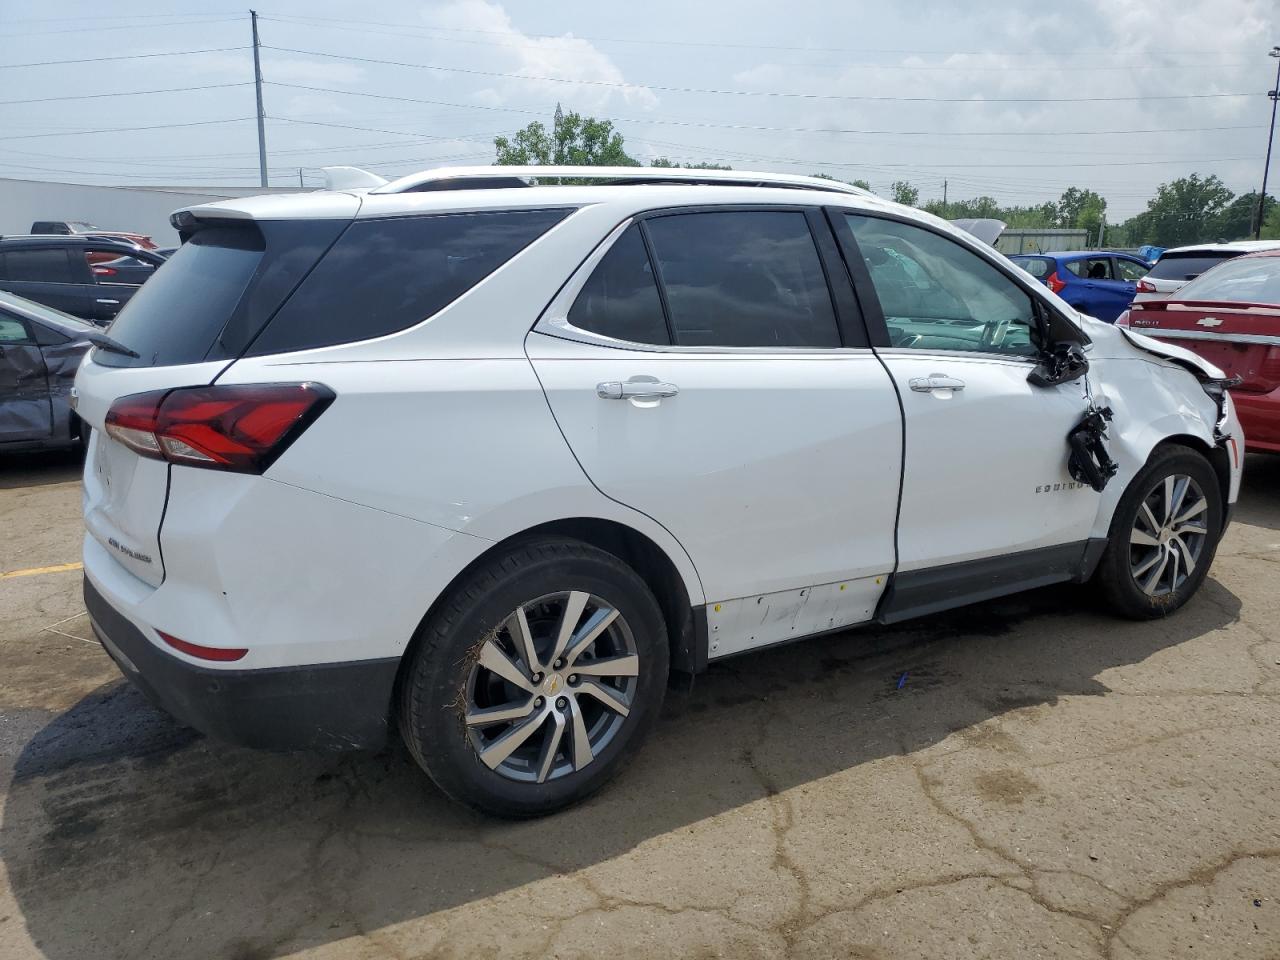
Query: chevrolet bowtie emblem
[1209, 322]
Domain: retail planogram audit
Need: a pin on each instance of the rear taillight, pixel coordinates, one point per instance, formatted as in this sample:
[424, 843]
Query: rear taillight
[1146, 286]
[239, 427]
[1123, 319]
[1055, 282]
[104, 271]
[220, 654]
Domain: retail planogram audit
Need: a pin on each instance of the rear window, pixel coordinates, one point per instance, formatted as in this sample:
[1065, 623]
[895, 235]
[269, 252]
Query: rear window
[1186, 266]
[1038, 267]
[383, 276]
[1246, 280]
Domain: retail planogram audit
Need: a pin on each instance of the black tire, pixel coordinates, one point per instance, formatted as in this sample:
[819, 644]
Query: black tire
[435, 683]
[1115, 577]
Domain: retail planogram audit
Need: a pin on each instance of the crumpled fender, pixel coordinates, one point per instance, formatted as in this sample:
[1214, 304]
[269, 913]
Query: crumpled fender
[1201, 367]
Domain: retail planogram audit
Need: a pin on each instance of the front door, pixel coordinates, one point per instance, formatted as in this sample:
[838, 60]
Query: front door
[710, 387]
[985, 472]
[25, 412]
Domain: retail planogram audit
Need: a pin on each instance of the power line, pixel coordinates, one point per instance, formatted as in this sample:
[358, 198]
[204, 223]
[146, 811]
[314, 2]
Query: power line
[128, 93]
[615, 84]
[403, 133]
[132, 56]
[127, 26]
[824, 130]
[158, 126]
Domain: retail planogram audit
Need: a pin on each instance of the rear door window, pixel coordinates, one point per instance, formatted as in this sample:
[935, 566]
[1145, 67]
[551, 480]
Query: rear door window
[1186, 266]
[743, 278]
[620, 299]
[48, 265]
[382, 276]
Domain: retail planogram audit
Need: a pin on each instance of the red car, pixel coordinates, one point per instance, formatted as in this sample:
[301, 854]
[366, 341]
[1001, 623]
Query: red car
[1230, 315]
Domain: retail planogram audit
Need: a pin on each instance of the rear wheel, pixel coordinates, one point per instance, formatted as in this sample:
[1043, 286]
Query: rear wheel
[1164, 535]
[536, 679]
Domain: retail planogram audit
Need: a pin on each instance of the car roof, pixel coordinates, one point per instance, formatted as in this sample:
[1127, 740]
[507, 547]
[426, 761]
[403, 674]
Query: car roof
[1260, 253]
[62, 240]
[1078, 254]
[1236, 246]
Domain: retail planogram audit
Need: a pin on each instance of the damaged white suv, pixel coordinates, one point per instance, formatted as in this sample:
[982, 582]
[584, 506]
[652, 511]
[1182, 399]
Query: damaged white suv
[485, 457]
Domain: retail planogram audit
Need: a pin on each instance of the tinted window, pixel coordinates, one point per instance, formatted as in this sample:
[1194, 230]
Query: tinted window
[1130, 269]
[620, 299]
[385, 275]
[176, 315]
[12, 330]
[40, 266]
[1184, 266]
[938, 295]
[1247, 280]
[743, 279]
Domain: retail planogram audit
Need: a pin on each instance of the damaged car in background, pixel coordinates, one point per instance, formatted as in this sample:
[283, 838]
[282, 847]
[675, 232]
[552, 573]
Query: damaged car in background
[485, 462]
[40, 349]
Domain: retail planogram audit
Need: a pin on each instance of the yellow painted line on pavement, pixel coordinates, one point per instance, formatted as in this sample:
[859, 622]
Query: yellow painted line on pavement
[36, 571]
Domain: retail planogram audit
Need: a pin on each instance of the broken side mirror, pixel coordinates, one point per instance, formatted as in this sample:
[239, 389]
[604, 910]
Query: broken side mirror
[1061, 363]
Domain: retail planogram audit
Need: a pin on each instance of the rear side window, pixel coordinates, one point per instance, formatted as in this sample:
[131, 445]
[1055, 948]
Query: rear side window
[1180, 266]
[37, 266]
[620, 299]
[386, 275]
[743, 279]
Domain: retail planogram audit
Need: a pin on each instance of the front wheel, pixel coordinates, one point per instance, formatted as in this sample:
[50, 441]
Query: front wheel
[536, 679]
[1163, 536]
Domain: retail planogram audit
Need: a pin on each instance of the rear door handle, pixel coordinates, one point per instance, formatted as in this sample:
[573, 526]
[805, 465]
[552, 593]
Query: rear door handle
[636, 388]
[935, 381]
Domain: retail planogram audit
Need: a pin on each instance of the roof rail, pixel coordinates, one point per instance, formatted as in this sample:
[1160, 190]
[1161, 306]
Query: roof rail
[487, 178]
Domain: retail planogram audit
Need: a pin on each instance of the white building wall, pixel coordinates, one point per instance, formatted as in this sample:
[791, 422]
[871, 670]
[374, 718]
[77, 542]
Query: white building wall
[139, 209]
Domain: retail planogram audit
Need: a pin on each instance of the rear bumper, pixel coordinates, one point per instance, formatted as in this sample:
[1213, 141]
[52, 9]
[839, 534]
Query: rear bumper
[332, 706]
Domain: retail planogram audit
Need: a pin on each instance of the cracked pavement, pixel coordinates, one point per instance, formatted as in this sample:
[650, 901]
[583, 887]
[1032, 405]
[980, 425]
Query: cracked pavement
[1047, 782]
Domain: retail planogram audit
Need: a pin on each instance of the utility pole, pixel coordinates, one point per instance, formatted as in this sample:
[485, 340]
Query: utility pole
[1266, 167]
[257, 85]
[300, 183]
[944, 198]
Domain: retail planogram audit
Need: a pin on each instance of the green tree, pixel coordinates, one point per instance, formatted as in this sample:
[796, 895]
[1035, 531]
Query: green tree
[856, 183]
[1271, 226]
[1236, 220]
[904, 192]
[1182, 211]
[664, 162]
[574, 140]
[1081, 210]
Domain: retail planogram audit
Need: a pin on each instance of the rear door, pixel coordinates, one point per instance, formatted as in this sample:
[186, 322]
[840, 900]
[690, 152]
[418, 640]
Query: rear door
[704, 374]
[985, 469]
[25, 412]
[48, 275]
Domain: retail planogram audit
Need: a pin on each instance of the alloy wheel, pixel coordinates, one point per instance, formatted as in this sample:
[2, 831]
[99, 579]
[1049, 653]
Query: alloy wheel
[1168, 535]
[551, 688]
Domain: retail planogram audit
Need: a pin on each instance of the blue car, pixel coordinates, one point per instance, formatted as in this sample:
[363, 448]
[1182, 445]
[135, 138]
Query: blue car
[1095, 282]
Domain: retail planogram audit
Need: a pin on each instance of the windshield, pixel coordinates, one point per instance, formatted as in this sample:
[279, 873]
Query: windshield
[1246, 280]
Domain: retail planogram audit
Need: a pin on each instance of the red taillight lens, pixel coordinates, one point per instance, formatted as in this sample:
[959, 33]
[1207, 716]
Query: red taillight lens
[104, 271]
[1123, 319]
[221, 654]
[239, 427]
[1055, 282]
[1146, 286]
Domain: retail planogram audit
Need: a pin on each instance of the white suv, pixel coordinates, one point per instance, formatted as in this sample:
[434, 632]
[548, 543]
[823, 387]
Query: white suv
[486, 459]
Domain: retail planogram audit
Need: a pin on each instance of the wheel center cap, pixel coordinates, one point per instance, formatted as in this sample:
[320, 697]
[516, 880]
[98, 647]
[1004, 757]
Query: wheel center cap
[553, 684]
[1164, 535]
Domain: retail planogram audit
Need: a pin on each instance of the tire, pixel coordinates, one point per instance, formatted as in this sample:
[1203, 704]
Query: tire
[1142, 576]
[569, 742]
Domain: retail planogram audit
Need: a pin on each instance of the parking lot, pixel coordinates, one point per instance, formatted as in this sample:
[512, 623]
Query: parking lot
[1023, 778]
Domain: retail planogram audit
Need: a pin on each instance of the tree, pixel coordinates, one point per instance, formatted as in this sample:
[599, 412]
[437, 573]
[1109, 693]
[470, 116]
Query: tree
[1271, 227]
[856, 183]
[575, 140]
[1183, 211]
[1236, 220]
[1081, 210]
[664, 162]
[904, 192]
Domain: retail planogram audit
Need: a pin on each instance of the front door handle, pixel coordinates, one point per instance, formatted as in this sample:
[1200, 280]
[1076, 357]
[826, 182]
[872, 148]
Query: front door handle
[935, 381]
[637, 388]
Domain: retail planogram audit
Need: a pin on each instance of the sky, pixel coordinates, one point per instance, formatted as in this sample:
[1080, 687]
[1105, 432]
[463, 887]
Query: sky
[1017, 102]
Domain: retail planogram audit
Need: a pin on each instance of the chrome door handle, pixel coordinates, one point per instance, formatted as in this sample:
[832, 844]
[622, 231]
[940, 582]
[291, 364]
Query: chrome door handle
[935, 381]
[101, 300]
[635, 389]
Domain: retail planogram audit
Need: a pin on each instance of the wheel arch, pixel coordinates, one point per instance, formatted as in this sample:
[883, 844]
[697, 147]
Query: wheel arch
[1217, 456]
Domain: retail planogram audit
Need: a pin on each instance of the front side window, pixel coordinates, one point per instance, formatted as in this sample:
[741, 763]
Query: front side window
[48, 265]
[743, 279]
[1130, 270]
[938, 295]
[620, 299]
